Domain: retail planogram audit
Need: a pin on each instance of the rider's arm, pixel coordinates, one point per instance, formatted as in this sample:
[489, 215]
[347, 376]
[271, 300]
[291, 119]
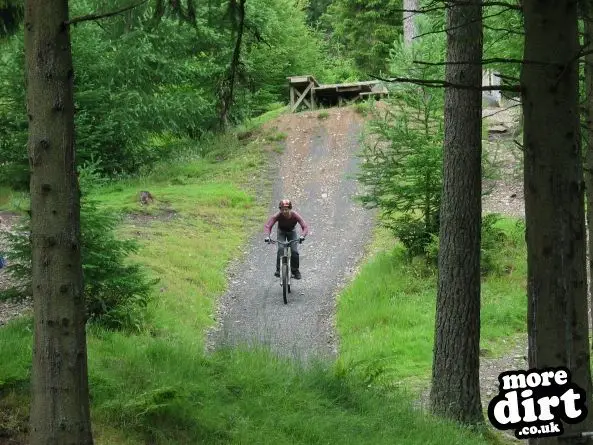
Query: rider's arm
[302, 223]
[270, 223]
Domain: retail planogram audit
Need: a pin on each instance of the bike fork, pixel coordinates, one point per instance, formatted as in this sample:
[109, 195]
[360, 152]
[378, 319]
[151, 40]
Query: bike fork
[288, 257]
[284, 260]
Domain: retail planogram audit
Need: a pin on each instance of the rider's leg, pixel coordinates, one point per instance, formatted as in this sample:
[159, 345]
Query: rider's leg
[294, 259]
[280, 236]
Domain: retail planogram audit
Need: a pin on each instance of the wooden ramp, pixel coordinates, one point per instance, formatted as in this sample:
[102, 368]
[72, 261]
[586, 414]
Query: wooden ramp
[307, 93]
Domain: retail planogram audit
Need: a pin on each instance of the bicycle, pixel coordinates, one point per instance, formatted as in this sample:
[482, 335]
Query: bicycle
[285, 265]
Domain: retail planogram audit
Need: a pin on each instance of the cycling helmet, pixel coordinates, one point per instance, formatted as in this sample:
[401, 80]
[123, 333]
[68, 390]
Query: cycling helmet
[285, 203]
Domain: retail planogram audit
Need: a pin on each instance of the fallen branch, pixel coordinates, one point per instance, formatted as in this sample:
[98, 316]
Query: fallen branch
[445, 84]
[89, 17]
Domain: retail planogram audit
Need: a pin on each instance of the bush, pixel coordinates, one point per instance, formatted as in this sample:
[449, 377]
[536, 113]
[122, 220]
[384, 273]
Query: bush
[415, 235]
[493, 240]
[402, 157]
[494, 244]
[116, 292]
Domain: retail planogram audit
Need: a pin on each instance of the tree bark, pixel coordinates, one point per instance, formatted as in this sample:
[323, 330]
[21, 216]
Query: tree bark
[228, 90]
[455, 389]
[588, 173]
[409, 22]
[554, 201]
[59, 382]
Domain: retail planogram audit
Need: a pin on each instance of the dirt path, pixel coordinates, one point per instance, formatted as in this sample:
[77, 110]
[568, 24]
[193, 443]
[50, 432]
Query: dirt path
[504, 192]
[505, 197]
[314, 172]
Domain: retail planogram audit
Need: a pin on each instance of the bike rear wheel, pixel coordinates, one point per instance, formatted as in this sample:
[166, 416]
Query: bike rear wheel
[285, 282]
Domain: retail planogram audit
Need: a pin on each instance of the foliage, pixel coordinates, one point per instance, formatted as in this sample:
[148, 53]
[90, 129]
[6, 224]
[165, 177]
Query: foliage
[135, 80]
[493, 236]
[11, 14]
[403, 154]
[315, 9]
[340, 67]
[115, 290]
[124, 90]
[278, 44]
[386, 314]
[503, 39]
[352, 34]
[185, 12]
[14, 167]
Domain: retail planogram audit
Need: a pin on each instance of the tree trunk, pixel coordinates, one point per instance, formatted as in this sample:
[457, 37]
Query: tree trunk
[59, 382]
[228, 89]
[588, 46]
[410, 28]
[554, 201]
[455, 389]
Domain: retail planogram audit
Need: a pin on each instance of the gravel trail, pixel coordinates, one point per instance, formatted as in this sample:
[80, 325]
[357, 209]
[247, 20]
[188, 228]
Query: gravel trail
[315, 172]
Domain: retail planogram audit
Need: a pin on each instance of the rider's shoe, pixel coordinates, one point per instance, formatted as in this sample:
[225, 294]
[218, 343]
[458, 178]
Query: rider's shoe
[297, 275]
[277, 273]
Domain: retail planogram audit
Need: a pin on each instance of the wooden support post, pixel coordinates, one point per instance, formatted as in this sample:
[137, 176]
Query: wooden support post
[301, 97]
[354, 100]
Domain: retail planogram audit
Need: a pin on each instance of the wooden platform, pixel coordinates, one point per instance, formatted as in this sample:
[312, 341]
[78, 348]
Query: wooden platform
[305, 91]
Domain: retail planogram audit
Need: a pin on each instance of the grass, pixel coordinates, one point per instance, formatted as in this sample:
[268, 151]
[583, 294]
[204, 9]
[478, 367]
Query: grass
[504, 296]
[386, 316]
[164, 390]
[5, 196]
[191, 231]
[244, 397]
[255, 123]
[160, 387]
[11, 200]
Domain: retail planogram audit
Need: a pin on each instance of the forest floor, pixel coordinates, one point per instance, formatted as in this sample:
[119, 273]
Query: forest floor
[315, 170]
[505, 196]
[12, 308]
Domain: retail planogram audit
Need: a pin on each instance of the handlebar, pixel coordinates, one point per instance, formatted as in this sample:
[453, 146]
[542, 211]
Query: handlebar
[285, 243]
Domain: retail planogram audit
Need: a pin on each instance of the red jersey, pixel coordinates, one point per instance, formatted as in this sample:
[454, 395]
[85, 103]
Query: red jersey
[286, 224]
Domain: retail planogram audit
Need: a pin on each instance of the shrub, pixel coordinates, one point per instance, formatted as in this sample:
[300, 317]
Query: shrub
[494, 244]
[116, 291]
[414, 234]
[493, 239]
[402, 172]
[402, 155]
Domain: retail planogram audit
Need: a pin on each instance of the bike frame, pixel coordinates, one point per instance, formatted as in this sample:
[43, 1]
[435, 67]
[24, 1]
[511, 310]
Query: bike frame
[285, 259]
[286, 254]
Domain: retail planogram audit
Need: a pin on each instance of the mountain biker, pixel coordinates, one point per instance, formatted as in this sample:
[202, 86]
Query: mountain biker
[287, 220]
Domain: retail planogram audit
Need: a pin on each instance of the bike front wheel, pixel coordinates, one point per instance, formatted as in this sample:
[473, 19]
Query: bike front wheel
[285, 282]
